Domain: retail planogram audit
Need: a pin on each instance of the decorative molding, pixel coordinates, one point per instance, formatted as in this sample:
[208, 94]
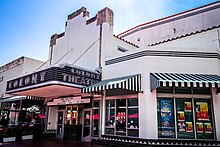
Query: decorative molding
[53, 39]
[12, 64]
[78, 12]
[91, 20]
[162, 54]
[105, 15]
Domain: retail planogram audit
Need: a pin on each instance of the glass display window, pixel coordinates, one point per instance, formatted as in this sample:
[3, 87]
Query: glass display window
[122, 117]
[133, 118]
[110, 117]
[184, 111]
[166, 125]
[203, 118]
[96, 118]
[71, 116]
[192, 118]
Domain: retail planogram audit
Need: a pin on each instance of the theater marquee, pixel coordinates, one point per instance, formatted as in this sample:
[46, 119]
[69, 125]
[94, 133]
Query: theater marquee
[71, 75]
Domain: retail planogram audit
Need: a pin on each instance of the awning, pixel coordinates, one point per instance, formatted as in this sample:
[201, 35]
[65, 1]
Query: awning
[19, 98]
[183, 80]
[132, 83]
[14, 98]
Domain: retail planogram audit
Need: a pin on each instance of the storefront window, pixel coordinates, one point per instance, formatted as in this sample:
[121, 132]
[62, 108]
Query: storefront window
[184, 117]
[95, 114]
[166, 127]
[71, 117]
[204, 125]
[121, 117]
[187, 119]
[133, 118]
[110, 117]
[123, 113]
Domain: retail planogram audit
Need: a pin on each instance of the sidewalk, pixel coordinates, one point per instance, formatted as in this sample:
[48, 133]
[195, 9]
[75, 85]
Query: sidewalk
[48, 143]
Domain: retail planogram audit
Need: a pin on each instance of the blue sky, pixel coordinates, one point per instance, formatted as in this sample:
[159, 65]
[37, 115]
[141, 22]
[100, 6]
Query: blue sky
[27, 25]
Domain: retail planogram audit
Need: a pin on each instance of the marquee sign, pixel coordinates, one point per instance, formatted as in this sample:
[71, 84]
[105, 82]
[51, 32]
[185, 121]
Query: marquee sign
[66, 74]
[68, 101]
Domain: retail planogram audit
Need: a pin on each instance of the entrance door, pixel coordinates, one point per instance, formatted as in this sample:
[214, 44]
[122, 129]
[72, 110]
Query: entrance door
[87, 125]
[60, 125]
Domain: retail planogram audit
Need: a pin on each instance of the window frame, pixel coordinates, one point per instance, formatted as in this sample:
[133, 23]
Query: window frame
[126, 97]
[192, 97]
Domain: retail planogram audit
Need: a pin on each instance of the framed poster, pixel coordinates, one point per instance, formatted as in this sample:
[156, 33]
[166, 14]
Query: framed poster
[202, 111]
[181, 116]
[189, 127]
[181, 127]
[199, 127]
[208, 127]
[166, 106]
[188, 106]
[166, 118]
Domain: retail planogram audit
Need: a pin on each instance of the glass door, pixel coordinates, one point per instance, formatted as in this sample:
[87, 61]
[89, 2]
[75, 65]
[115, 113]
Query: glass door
[86, 124]
[60, 124]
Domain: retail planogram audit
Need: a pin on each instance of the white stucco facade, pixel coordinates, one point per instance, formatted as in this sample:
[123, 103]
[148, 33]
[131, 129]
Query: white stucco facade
[172, 26]
[83, 38]
[204, 41]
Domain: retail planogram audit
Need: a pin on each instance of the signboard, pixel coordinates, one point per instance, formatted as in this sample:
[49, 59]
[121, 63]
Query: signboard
[68, 101]
[66, 74]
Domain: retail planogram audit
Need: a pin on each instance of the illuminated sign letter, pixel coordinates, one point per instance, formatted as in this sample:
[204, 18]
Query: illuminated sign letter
[34, 78]
[42, 74]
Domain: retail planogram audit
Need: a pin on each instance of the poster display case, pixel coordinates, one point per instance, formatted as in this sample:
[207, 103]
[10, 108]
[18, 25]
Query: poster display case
[204, 124]
[184, 121]
[192, 118]
[166, 126]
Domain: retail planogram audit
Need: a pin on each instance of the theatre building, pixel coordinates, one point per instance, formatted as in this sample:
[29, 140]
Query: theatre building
[161, 86]
[76, 58]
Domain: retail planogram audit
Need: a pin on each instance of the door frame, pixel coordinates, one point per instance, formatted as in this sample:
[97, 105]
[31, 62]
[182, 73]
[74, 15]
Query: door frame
[62, 133]
[87, 138]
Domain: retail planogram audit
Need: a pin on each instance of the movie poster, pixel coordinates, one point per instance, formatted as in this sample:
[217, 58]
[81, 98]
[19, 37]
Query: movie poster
[181, 116]
[189, 127]
[202, 111]
[166, 106]
[208, 127]
[199, 127]
[166, 117]
[188, 107]
[181, 127]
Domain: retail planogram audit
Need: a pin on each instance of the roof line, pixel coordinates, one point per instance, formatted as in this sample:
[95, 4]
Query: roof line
[126, 41]
[167, 17]
[186, 35]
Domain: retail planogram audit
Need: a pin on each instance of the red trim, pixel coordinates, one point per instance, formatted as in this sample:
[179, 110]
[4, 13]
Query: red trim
[126, 41]
[168, 17]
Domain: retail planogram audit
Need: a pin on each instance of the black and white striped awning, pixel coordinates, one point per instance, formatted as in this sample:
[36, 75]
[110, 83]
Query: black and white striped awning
[183, 80]
[19, 98]
[132, 83]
